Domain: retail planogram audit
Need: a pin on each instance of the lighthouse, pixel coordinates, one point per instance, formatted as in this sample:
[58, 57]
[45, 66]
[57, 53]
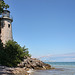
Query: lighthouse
[6, 26]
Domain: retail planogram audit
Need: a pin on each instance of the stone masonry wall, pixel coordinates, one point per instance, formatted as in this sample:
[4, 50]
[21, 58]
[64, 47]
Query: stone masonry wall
[6, 31]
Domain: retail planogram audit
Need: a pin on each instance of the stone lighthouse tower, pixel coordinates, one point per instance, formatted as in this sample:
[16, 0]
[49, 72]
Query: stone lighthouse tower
[5, 26]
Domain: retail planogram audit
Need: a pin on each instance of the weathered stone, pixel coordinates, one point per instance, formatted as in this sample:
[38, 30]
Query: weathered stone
[33, 63]
[6, 27]
[24, 66]
[7, 70]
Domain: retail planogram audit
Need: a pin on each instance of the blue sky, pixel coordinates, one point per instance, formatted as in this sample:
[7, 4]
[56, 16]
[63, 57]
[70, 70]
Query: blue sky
[46, 27]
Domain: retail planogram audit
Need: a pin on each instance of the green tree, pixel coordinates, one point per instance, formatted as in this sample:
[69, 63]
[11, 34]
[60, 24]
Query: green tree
[13, 54]
[3, 5]
[26, 52]
[2, 53]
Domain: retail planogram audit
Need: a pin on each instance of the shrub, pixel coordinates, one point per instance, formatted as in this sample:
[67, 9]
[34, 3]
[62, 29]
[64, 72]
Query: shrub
[13, 54]
[2, 53]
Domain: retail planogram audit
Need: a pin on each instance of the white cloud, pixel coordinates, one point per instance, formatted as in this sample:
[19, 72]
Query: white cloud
[59, 57]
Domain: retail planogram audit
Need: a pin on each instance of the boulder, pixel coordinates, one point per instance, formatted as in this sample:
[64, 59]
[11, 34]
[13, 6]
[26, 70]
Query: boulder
[33, 63]
[12, 71]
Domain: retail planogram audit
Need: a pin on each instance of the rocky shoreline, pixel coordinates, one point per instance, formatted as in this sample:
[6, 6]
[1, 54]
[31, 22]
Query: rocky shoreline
[24, 67]
[12, 71]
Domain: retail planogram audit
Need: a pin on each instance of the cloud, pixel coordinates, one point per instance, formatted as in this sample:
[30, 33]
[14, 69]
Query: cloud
[59, 57]
[73, 58]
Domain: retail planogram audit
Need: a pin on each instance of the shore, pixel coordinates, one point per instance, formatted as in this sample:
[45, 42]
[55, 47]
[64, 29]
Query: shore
[12, 71]
[25, 67]
[61, 68]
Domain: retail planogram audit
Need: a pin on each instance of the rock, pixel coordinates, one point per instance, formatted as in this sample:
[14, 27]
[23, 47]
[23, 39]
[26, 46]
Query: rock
[7, 70]
[33, 63]
[47, 66]
[20, 71]
[24, 66]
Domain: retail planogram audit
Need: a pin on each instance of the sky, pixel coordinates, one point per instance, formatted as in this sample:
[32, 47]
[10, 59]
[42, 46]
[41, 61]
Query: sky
[46, 27]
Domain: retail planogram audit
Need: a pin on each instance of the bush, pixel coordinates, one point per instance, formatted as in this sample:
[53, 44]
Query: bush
[2, 53]
[13, 54]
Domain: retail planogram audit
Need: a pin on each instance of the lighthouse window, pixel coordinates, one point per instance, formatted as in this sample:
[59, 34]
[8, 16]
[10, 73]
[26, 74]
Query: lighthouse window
[9, 25]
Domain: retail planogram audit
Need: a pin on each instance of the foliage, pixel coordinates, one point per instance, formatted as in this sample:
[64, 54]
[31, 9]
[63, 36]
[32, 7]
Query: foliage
[3, 5]
[26, 52]
[1, 52]
[13, 54]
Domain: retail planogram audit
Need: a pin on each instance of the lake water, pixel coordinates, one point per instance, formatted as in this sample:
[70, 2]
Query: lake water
[62, 68]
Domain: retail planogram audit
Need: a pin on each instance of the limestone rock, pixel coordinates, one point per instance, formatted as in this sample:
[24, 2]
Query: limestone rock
[8, 70]
[33, 63]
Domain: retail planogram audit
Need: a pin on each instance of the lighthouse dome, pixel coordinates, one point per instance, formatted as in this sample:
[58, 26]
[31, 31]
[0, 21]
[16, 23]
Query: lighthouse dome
[6, 13]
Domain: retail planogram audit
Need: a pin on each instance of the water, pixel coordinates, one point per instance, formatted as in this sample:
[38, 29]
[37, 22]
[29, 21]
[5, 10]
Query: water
[62, 68]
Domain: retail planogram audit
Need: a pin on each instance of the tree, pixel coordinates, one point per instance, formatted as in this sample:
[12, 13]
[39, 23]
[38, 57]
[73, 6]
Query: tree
[3, 5]
[26, 52]
[13, 54]
[2, 53]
